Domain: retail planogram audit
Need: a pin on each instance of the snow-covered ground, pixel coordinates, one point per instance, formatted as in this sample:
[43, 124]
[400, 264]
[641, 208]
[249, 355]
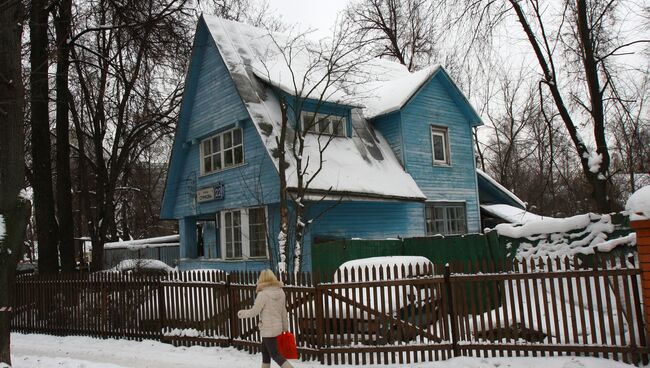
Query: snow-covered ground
[41, 351]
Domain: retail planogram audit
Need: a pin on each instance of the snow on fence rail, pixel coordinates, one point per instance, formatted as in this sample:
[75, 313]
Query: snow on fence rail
[535, 307]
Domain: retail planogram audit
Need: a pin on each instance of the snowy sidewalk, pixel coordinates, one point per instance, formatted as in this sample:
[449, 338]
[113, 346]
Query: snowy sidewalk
[41, 351]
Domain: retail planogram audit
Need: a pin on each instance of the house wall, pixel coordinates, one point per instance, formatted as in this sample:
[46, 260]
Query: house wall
[213, 106]
[364, 220]
[435, 105]
[390, 127]
[343, 220]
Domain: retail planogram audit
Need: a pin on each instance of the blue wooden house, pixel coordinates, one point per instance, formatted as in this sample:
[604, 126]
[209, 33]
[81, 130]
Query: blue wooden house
[400, 161]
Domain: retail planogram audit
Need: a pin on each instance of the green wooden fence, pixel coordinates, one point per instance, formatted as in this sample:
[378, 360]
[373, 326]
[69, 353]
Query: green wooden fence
[328, 256]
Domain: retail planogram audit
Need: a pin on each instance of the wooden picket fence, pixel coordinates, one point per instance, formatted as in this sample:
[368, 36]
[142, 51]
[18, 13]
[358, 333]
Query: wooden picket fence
[377, 315]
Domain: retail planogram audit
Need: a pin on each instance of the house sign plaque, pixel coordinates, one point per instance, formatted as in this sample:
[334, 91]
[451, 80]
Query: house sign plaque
[212, 193]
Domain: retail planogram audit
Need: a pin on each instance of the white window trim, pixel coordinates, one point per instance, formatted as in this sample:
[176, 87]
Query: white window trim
[444, 133]
[321, 116]
[445, 204]
[223, 160]
[245, 234]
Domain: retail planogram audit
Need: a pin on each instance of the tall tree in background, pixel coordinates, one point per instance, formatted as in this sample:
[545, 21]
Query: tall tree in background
[574, 45]
[630, 129]
[62, 26]
[14, 211]
[44, 204]
[405, 31]
[128, 62]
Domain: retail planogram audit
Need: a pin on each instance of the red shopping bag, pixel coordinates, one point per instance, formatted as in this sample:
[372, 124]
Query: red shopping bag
[287, 345]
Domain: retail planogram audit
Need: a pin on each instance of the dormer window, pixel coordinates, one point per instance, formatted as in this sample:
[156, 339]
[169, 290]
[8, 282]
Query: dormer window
[222, 151]
[324, 124]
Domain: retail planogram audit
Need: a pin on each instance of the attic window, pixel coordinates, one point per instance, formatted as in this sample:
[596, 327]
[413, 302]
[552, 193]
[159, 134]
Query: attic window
[324, 124]
[440, 145]
[222, 151]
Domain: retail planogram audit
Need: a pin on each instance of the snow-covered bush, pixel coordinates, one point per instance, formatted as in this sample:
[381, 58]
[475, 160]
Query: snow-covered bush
[556, 237]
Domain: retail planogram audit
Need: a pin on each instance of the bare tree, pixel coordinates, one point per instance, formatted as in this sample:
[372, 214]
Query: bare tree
[630, 129]
[317, 74]
[508, 144]
[406, 31]
[254, 12]
[575, 47]
[127, 85]
[13, 210]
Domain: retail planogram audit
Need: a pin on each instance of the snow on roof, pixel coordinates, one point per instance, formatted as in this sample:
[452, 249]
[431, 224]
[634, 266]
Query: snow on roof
[513, 215]
[396, 297]
[361, 165]
[161, 241]
[393, 88]
[501, 187]
[142, 264]
[385, 261]
[639, 204]
[379, 85]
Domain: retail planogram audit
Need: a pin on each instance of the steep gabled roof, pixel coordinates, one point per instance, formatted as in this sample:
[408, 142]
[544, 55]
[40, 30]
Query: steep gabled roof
[363, 165]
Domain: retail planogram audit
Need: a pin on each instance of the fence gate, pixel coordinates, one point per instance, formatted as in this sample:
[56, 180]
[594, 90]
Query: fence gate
[194, 308]
[398, 319]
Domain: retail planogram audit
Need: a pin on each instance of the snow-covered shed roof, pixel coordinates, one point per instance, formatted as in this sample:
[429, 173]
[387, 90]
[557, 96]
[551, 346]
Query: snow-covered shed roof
[511, 214]
[491, 192]
[363, 165]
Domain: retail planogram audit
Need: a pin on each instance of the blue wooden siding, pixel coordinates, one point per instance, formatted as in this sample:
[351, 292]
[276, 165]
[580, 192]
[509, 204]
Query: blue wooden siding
[435, 105]
[390, 127]
[346, 220]
[187, 234]
[365, 220]
[216, 106]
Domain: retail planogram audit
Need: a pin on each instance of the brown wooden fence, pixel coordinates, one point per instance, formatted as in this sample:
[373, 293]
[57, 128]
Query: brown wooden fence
[373, 315]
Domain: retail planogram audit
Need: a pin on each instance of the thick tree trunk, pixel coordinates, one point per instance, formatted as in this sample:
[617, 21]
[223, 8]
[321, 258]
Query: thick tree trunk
[14, 211]
[63, 177]
[597, 182]
[46, 226]
[597, 110]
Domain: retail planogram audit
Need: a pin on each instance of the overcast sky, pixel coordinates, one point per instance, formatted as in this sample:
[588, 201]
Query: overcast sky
[319, 15]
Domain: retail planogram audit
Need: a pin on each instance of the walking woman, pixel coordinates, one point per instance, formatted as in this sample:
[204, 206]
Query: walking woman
[271, 307]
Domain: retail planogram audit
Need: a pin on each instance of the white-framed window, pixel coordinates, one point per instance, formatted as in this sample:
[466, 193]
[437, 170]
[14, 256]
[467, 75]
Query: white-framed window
[440, 145]
[324, 124]
[243, 233]
[446, 218]
[222, 151]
